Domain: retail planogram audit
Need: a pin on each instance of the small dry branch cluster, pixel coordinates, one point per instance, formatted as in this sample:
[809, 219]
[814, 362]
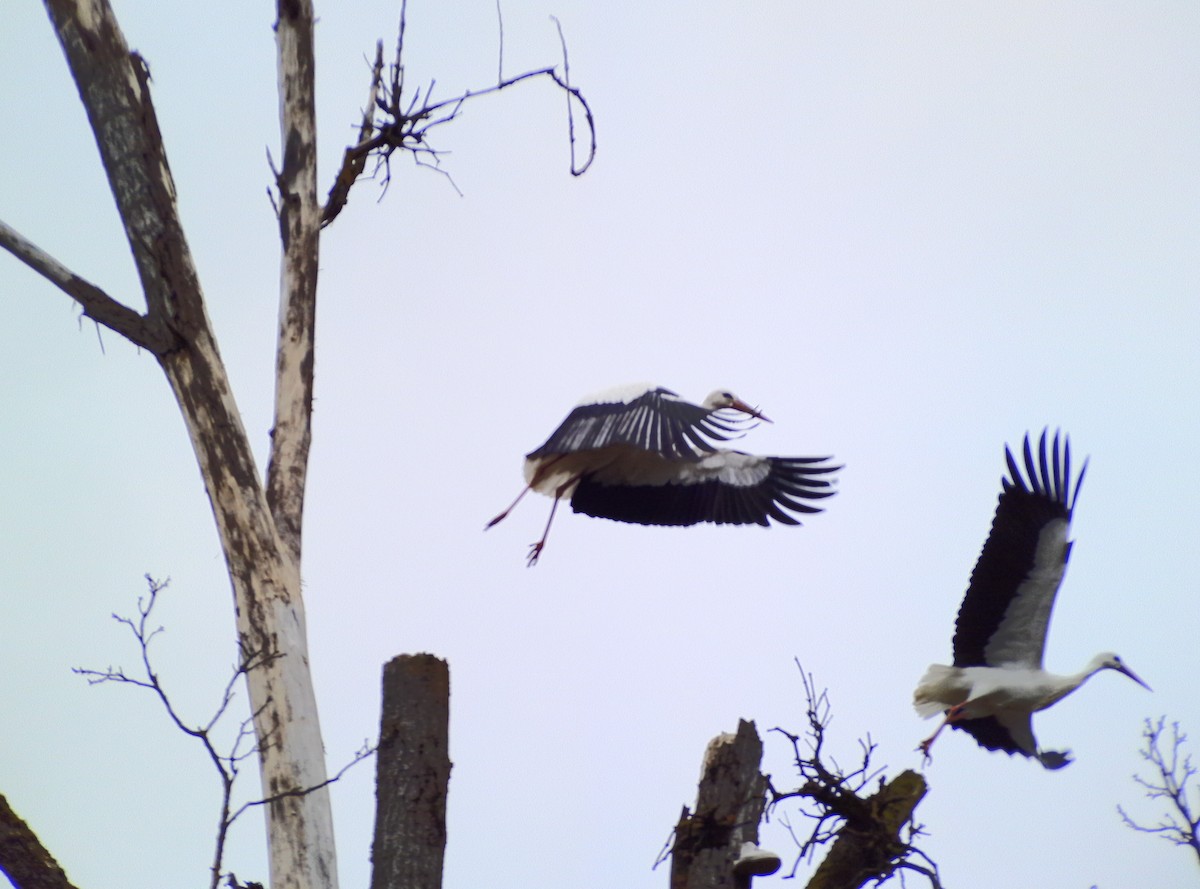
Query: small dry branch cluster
[862, 829]
[399, 119]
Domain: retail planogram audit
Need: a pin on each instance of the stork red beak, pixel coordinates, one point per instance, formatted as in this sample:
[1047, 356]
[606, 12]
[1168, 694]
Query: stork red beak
[1128, 672]
[740, 405]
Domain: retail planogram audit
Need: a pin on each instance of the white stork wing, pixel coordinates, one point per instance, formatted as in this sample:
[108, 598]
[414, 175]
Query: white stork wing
[646, 418]
[1006, 611]
[1012, 733]
[725, 487]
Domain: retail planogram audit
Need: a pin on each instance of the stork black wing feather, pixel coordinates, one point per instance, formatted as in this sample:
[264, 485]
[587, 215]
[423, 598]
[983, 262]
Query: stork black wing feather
[690, 501]
[990, 734]
[1025, 507]
[775, 511]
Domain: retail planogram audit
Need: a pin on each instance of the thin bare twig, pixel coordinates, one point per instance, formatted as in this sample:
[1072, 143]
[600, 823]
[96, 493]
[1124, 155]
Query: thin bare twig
[566, 84]
[366, 751]
[227, 764]
[500, 28]
[404, 122]
[1172, 782]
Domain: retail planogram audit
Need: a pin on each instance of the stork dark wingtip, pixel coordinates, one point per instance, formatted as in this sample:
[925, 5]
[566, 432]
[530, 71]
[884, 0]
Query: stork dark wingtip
[1055, 759]
[997, 682]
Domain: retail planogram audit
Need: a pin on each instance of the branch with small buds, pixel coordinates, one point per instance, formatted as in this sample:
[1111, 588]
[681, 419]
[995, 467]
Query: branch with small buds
[1174, 779]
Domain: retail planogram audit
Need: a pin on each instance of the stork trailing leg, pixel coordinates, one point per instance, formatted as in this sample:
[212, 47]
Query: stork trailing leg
[533, 481]
[535, 549]
[954, 714]
[511, 507]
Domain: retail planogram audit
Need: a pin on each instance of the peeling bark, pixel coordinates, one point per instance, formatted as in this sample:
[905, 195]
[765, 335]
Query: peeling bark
[259, 534]
[270, 618]
[113, 85]
[299, 232]
[729, 806]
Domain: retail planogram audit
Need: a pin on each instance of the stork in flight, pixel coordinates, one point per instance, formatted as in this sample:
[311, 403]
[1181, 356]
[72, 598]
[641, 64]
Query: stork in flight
[642, 454]
[997, 682]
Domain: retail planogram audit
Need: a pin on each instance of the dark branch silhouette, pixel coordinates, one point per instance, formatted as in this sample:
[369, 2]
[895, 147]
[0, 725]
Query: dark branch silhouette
[397, 121]
[1171, 782]
[864, 828]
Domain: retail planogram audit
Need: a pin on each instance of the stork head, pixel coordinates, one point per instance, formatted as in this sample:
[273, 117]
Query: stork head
[1110, 661]
[723, 398]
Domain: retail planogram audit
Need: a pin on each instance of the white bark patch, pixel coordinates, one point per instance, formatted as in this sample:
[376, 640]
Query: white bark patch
[266, 583]
[89, 14]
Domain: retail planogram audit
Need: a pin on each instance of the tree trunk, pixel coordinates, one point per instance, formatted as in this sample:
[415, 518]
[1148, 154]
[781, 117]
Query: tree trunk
[260, 531]
[23, 859]
[729, 806]
[868, 847]
[412, 774]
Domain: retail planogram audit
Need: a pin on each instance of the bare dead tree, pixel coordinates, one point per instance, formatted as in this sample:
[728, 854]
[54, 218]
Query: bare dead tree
[862, 829]
[1172, 779]
[227, 763]
[259, 522]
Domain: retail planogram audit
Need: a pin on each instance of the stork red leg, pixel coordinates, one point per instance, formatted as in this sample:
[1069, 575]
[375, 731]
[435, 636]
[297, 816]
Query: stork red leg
[953, 714]
[511, 507]
[535, 549]
[537, 478]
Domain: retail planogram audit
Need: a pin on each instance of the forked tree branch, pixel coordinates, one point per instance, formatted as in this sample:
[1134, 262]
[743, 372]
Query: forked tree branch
[354, 164]
[259, 533]
[96, 304]
[865, 829]
[405, 121]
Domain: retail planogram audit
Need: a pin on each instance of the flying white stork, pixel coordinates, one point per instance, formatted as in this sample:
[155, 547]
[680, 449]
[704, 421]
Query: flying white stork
[642, 454]
[997, 682]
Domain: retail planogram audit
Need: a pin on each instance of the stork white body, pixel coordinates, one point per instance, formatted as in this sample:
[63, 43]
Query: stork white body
[997, 682]
[642, 454]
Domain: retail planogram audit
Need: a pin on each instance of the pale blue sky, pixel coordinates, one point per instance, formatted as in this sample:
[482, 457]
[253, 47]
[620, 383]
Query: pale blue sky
[909, 231]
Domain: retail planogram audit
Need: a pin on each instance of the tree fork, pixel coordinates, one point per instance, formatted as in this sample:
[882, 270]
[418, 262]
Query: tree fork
[260, 534]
